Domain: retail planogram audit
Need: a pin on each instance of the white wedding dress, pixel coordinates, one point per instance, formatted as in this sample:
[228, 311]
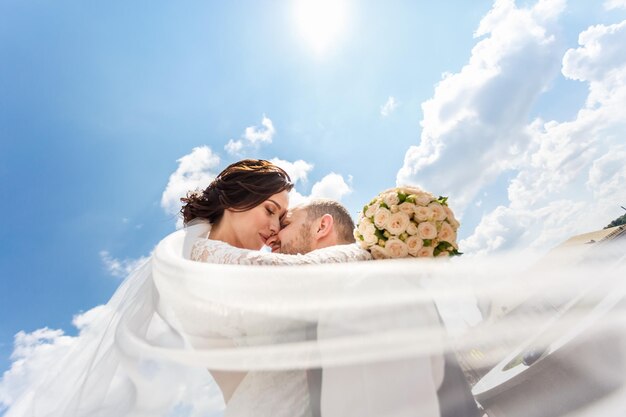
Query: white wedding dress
[268, 393]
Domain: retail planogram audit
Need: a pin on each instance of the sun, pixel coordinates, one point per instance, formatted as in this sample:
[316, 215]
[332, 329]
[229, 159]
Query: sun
[320, 22]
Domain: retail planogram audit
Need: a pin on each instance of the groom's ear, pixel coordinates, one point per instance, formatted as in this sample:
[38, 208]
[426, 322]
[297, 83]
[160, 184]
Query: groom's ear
[324, 226]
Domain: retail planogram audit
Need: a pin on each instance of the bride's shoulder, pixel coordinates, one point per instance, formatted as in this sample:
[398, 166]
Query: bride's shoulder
[210, 250]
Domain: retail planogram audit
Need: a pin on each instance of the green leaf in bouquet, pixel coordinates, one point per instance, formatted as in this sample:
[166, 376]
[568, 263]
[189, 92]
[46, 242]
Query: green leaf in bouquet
[455, 252]
[443, 200]
[410, 198]
[443, 245]
[401, 197]
[379, 234]
[437, 251]
[383, 204]
[365, 207]
[427, 242]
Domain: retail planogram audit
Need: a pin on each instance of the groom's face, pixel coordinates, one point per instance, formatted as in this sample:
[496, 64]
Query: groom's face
[295, 234]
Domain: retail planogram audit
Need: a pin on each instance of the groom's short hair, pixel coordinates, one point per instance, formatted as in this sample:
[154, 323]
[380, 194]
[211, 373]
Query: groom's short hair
[343, 223]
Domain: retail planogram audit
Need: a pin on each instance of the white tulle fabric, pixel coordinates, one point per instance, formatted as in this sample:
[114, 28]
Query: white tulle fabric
[379, 338]
[266, 393]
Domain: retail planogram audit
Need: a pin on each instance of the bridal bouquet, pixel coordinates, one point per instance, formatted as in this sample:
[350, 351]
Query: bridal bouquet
[407, 221]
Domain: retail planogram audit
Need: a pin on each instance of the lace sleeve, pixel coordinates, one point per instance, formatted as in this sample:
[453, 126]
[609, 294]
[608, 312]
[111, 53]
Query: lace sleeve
[214, 251]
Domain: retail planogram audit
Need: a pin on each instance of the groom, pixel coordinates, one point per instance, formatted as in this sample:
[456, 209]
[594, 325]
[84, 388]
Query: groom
[316, 225]
[324, 223]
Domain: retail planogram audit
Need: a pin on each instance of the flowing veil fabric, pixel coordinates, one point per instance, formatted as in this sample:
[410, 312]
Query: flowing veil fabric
[557, 349]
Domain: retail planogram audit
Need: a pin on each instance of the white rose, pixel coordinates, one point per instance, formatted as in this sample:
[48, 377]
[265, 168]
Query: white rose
[396, 248]
[426, 252]
[423, 214]
[411, 229]
[407, 208]
[378, 252]
[446, 233]
[364, 225]
[427, 230]
[414, 244]
[398, 223]
[391, 198]
[381, 217]
[438, 211]
[369, 236]
[371, 209]
[423, 198]
[363, 244]
[443, 253]
[394, 209]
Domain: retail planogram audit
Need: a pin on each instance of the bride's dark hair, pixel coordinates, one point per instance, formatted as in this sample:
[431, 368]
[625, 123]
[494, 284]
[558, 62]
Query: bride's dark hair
[240, 187]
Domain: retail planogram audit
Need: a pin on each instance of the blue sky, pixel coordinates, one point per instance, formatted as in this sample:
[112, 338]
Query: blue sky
[495, 104]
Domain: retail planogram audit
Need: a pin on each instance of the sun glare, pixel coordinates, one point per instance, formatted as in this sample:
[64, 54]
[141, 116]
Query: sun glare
[320, 22]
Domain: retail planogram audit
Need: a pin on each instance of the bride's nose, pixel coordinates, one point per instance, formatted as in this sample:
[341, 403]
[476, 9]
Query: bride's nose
[275, 226]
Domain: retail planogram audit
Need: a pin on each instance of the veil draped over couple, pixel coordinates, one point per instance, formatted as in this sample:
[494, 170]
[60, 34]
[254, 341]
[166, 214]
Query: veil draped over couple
[258, 309]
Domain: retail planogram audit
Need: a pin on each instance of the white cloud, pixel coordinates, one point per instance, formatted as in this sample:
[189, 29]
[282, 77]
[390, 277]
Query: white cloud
[264, 134]
[573, 175]
[473, 127]
[234, 147]
[615, 4]
[390, 105]
[607, 175]
[297, 170]
[33, 355]
[507, 228]
[83, 321]
[602, 53]
[332, 186]
[39, 355]
[252, 137]
[194, 171]
[34, 358]
[296, 199]
[120, 267]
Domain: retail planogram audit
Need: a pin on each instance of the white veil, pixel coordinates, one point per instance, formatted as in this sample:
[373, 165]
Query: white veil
[532, 337]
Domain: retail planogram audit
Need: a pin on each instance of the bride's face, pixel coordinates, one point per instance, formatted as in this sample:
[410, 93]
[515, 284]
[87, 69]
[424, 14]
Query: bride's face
[253, 227]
